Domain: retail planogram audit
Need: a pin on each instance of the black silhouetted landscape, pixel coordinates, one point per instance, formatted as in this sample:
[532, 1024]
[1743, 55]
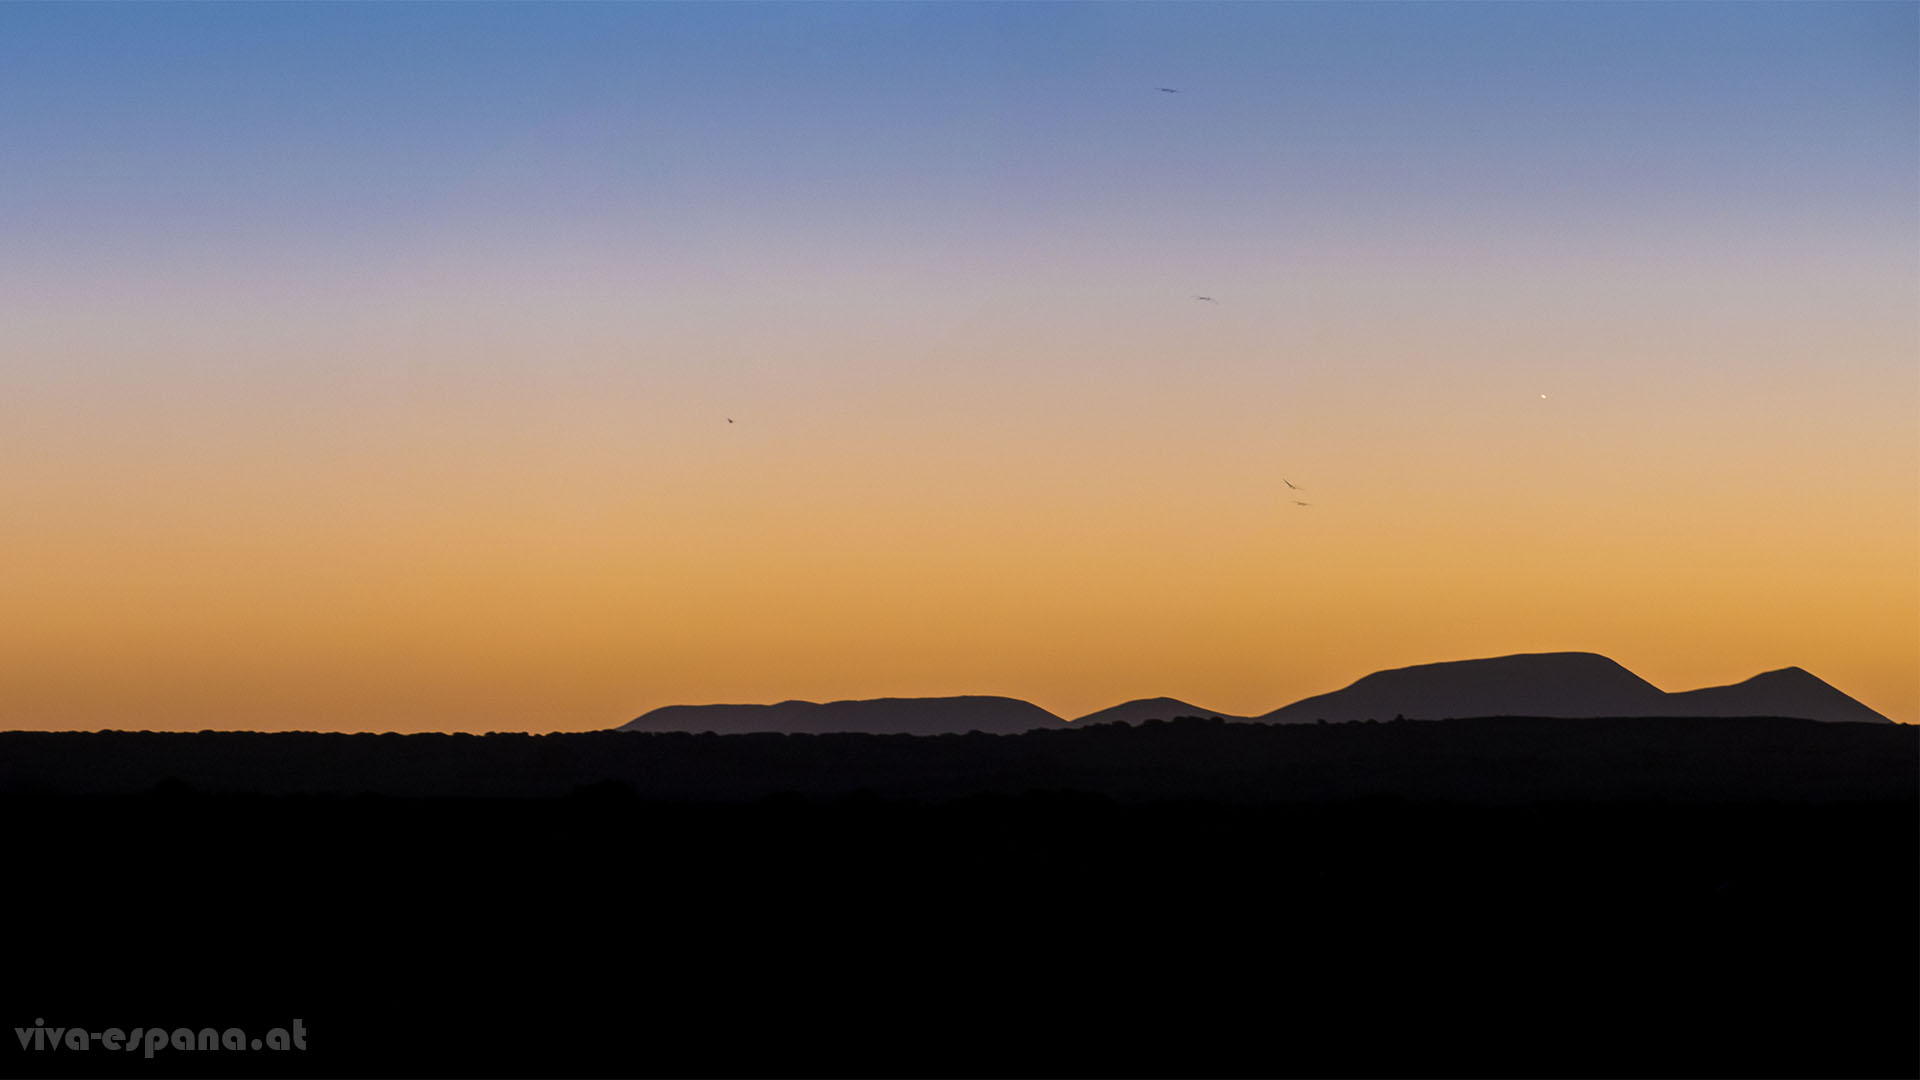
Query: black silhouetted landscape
[1492, 760]
[1484, 896]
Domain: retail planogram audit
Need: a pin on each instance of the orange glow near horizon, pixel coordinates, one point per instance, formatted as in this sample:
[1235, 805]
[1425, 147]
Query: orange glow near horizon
[527, 556]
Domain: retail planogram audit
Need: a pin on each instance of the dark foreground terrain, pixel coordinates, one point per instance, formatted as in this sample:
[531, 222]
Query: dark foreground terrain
[1492, 760]
[1364, 923]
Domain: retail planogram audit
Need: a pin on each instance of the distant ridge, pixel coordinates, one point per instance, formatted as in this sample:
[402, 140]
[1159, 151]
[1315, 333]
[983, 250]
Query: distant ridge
[1568, 685]
[878, 716]
[1159, 708]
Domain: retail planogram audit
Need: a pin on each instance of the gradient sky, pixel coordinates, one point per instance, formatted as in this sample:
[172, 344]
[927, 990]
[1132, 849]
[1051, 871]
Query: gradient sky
[368, 366]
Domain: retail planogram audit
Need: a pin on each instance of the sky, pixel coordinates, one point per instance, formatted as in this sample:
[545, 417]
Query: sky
[527, 367]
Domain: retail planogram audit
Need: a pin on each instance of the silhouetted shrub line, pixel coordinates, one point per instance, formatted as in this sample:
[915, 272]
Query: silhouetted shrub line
[1498, 760]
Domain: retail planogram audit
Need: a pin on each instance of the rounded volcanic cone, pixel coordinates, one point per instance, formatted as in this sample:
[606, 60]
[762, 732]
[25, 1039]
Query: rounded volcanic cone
[1570, 684]
[1789, 691]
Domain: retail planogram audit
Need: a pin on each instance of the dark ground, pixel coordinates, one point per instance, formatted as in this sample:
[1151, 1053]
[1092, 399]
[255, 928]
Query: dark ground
[1494, 760]
[1039, 932]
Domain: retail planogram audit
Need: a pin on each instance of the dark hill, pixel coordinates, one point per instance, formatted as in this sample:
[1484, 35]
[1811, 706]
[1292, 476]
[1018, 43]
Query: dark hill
[1159, 708]
[1788, 692]
[1569, 684]
[879, 716]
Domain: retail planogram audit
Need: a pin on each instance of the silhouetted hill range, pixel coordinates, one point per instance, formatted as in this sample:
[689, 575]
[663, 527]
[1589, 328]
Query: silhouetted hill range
[1569, 685]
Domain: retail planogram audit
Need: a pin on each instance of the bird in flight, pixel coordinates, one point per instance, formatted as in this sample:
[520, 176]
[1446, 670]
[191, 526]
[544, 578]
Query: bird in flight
[1297, 502]
[1166, 89]
[1290, 483]
[729, 419]
[1208, 299]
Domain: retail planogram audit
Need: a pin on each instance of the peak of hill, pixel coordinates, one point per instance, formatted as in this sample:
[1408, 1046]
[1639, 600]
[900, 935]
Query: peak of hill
[1142, 709]
[1567, 684]
[1790, 691]
[878, 716]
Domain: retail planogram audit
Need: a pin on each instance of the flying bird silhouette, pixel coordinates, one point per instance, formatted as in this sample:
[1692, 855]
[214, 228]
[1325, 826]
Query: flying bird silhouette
[1166, 89]
[1297, 502]
[1290, 483]
[729, 419]
[1208, 299]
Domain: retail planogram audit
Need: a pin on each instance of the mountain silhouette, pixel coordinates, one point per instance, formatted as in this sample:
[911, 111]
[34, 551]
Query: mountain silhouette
[1571, 685]
[1158, 708]
[1789, 691]
[878, 716]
